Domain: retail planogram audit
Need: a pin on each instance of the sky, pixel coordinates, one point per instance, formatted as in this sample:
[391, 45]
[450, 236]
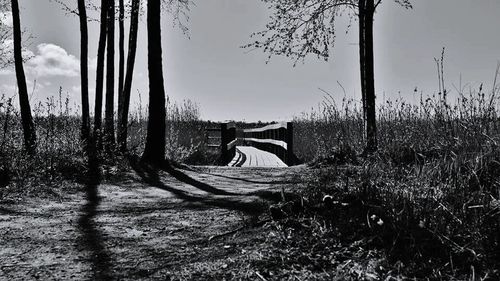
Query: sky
[209, 67]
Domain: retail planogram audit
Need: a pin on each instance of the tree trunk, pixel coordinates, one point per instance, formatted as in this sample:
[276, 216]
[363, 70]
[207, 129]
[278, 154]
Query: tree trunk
[109, 122]
[121, 50]
[85, 130]
[100, 71]
[154, 152]
[368, 73]
[371, 120]
[362, 57]
[24, 103]
[124, 102]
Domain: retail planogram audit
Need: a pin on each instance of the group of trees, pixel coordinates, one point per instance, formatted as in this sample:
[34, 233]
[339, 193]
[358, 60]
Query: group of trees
[297, 28]
[155, 142]
[106, 50]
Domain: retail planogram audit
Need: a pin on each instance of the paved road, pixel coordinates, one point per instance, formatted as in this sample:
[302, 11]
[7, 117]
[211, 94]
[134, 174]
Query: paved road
[248, 156]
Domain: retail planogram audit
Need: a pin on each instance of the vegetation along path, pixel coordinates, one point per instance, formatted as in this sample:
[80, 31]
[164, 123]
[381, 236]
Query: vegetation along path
[148, 224]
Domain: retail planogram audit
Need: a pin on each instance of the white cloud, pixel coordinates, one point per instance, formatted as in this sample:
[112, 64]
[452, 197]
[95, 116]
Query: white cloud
[53, 60]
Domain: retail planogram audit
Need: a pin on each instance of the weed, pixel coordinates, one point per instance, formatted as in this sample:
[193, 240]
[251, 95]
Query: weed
[433, 185]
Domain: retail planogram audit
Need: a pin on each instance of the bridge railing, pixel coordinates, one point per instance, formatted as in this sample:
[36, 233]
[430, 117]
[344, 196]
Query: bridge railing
[224, 139]
[274, 138]
[228, 142]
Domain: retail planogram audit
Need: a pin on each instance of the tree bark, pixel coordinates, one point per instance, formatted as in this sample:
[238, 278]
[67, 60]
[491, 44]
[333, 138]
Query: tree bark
[26, 118]
[109, 122]
[362, 57]
[85, 129]
[101, 49]
[154, 152]
[121, 50]
[124, 102]
[371, 121]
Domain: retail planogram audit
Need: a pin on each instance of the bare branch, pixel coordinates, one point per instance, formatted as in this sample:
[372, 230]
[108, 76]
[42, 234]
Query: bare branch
[302, 27]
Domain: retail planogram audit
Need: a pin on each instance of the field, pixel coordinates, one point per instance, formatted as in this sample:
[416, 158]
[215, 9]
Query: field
[434, 183]
[425, 205]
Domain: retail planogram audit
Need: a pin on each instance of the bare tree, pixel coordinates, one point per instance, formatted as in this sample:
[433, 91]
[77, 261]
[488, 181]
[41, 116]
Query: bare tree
[85, 130]
[124, 102]
[101, 49]
[154, 152]
[302, 27]
[26, 118]
[121, 48]
[179, 10]
[109, 122]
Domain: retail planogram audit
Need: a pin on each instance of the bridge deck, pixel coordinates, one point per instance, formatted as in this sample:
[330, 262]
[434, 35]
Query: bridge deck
[248, 156]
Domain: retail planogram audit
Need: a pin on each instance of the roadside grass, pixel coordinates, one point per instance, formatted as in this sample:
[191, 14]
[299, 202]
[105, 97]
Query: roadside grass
[273, 252]
[430, 197]
[60, 164]
[58, 159]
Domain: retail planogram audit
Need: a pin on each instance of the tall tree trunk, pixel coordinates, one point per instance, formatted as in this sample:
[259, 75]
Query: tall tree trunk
[101, 49]
[124, 102]
[109, 122]
[371, 121]
[85, 130]
[154, 152]
[362, 58]
[24, 103]
[121, 50]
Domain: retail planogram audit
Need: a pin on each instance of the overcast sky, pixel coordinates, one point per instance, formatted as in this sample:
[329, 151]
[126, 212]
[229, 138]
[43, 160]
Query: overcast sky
[229, 82]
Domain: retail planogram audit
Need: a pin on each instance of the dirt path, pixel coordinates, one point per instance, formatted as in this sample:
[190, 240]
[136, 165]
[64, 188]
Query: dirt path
[148, 226]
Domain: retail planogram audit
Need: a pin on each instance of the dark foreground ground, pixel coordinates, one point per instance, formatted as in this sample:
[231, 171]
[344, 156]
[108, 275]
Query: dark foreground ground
[149, 225]
[221, 223]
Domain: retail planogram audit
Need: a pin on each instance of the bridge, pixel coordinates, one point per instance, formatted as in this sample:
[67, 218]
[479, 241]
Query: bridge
[268, 146]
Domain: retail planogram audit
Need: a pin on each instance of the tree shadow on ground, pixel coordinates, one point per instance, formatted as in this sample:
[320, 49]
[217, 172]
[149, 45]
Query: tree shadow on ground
[250, 181]
[266, 194]
[226, 200]
[179, 175]
[91, 239]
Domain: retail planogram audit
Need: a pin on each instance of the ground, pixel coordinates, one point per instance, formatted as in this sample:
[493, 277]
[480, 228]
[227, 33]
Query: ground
[147, 225]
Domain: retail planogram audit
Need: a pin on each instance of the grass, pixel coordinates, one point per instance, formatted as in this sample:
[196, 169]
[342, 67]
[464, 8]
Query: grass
[60, 162]
[434, 182]
[58, 159]
[426, 205]
[186, 140]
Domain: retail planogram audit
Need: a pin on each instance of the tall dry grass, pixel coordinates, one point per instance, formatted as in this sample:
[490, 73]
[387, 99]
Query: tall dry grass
[435, 178]
[186, 140]
[59, 155]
